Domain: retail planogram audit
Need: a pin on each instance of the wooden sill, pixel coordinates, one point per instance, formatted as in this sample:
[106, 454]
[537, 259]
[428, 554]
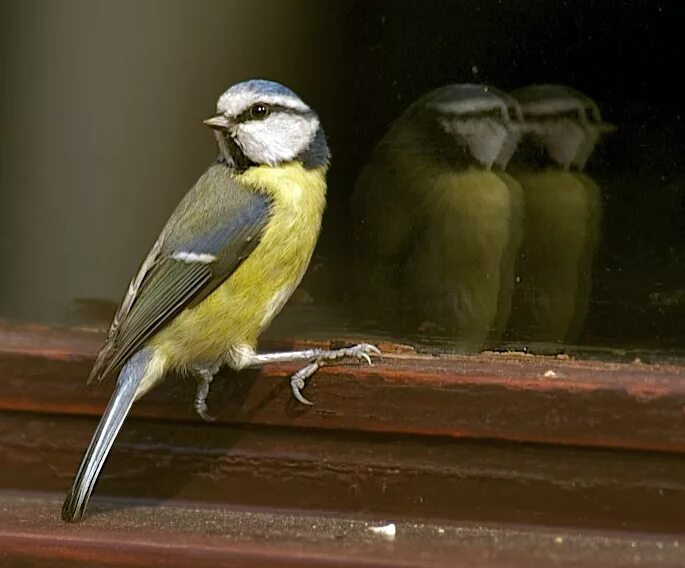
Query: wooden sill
[513, 397]
[544, 442]
[121, 533]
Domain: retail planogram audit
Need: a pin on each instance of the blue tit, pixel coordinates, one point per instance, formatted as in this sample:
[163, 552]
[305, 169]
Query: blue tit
[563, 212]
[226, 262]
[438, 222]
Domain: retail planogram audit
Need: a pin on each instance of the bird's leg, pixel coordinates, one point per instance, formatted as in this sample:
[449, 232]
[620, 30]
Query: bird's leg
[317, 358]
[205, 377]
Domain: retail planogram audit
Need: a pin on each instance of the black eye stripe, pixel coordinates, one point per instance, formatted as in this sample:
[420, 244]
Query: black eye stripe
[495, 113]
[573, 114]
[247, 115]
[491, 113]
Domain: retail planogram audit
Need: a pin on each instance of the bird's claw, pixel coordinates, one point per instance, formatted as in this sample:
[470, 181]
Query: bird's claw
[297, 385]
[297, 381]
[361, 352]
[201, 409]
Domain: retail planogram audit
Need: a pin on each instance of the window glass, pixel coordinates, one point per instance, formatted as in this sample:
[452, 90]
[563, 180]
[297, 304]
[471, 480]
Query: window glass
[504, 175]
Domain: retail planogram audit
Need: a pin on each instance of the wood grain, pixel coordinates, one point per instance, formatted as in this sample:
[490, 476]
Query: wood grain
[588, 452]
[185, 534]
[495, 396]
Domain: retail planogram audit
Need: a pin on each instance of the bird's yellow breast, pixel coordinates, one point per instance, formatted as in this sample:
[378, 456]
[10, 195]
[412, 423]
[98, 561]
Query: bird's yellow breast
[233, 316]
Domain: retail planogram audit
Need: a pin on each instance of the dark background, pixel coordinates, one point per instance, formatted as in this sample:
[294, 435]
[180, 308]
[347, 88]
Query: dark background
[102, 102]
[626, 55]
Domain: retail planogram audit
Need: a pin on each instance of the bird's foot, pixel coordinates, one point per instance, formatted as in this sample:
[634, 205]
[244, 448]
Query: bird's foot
[205, 378]
[361, 352]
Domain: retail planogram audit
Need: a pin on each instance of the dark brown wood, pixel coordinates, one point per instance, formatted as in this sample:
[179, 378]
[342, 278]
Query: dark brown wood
[132, 534]
[561, 446]
[512, 397]
[317, 470]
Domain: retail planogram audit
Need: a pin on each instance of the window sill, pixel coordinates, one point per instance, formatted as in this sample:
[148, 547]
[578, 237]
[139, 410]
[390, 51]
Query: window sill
[494, 438]
[497, 396]
[145, 535]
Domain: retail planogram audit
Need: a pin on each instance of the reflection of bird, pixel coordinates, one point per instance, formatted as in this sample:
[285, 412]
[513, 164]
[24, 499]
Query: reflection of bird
[563, 209]
[437, 226]
[228, 259]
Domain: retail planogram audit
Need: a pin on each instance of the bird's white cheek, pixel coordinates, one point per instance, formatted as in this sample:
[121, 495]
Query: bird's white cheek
[509, 147]
[563, 142]
[280, 138]
[486, 140]
[592, 135]
[255, 143]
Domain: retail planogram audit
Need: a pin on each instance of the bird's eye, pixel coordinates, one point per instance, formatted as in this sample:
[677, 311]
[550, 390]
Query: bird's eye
[259, 111]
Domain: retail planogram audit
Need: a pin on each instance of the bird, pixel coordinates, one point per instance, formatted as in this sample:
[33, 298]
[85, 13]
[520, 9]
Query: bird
[226, 262]
[563, 212]
[438, 222]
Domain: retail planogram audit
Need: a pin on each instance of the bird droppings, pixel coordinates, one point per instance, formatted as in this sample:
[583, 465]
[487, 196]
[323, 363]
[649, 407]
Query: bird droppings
[388, 531]
[551, 374]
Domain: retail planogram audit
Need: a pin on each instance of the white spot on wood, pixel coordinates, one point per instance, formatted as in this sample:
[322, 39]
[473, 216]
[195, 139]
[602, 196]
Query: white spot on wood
[388, 531]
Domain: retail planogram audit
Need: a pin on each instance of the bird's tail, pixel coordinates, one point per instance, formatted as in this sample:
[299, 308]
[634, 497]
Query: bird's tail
[133, 380]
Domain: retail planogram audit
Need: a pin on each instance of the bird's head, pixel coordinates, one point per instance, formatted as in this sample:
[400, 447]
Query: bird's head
[466, 123]
[260, 122]
[564, 123]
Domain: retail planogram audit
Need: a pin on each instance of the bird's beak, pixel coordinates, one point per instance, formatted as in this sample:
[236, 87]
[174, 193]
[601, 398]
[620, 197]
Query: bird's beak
[218, 122]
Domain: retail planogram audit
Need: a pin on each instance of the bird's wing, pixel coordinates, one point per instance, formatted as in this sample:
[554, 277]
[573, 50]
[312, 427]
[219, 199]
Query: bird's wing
[179, 272]
[107, 349]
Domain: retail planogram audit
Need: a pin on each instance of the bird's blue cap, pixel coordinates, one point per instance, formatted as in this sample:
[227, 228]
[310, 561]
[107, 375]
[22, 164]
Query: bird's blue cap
[262, 86]
[241, 95]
